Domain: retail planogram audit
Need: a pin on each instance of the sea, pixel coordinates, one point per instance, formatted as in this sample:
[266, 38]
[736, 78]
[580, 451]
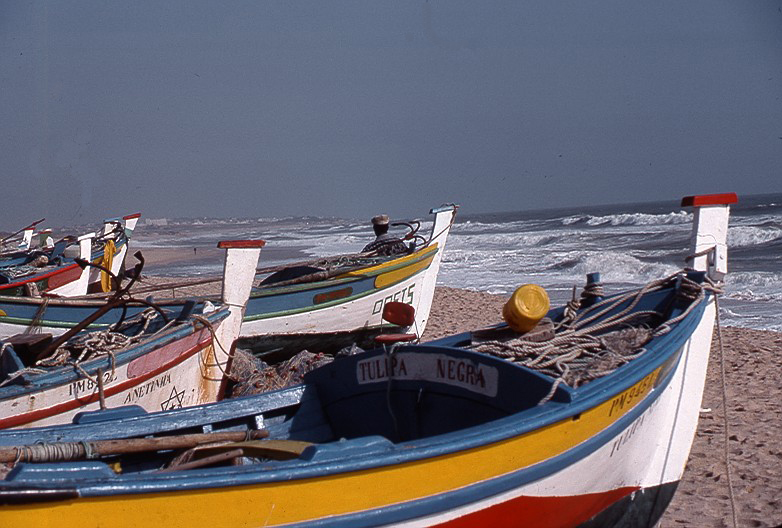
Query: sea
[628, 244]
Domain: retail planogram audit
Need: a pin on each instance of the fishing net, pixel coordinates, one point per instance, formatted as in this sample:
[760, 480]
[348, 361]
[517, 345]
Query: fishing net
[255, 376]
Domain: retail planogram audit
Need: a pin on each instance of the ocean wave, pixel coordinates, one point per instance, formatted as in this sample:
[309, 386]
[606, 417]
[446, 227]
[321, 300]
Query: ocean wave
[630, 219]
[507, 240]
[755, 285]
[497, 253]
[477, 228]
[745, 236]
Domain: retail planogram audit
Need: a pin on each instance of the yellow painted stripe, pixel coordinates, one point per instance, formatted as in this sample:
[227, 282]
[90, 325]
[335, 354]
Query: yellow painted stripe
[308, 499]
[392, 263]
[392, 277]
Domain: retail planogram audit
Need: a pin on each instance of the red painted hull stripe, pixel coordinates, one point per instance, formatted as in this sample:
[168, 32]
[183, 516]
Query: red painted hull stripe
[542, 512]
[40, 414]
[36, 278]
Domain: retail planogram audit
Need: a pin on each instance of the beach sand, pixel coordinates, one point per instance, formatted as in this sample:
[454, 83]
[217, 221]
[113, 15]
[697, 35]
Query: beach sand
[753, 389]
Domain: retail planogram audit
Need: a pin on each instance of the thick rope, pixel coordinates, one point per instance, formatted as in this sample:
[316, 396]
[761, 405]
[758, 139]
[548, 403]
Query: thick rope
[582, 351]
[90, 346]
[58, 452]
[222, 366]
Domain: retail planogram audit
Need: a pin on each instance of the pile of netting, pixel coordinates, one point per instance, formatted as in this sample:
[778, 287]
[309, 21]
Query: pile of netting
[590, 344]
[34, 266]
[252, 375]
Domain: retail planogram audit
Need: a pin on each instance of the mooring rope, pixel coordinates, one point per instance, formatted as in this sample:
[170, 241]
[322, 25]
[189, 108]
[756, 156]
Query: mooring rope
[728, 471]
[222, 366]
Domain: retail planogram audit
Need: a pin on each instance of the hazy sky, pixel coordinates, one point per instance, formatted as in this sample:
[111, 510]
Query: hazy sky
[351, 108]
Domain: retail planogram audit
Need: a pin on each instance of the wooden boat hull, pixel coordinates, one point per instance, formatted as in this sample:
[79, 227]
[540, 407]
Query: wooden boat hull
[172, 371]
[62, 280]
[615, 449]
[347, 309]
[342, 308]
[425, 435]
[177, 364]
[57, 315]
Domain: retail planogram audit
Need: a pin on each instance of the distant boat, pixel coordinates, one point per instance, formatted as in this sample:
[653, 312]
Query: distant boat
[15, 252]
[158, 360]
[331, 306]
[336, 307]
[590, 426]
[58, 274]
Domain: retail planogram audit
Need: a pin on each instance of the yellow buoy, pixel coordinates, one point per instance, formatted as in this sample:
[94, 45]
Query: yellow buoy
[528, 305]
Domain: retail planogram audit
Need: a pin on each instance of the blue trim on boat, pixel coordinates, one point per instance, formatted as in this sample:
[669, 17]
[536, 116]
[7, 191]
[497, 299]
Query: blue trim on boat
[283, 304]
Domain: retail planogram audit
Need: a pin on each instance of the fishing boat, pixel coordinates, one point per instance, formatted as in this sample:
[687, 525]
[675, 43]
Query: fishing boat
[15, 252]
[334, 306]
[54, 272]
[160, 359]
[324, 306]
[587, 421]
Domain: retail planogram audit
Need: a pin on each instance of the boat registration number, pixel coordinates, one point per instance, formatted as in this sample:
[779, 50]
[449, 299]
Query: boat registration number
[405, 295]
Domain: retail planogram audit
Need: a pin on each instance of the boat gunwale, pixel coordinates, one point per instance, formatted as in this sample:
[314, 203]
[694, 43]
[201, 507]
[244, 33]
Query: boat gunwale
[393, 265]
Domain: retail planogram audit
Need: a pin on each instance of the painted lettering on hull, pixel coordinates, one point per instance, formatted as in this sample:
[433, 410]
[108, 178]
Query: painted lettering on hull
[464, 373]
[86, 387]
[149, 387]
[628, 433]
[405, 295]
[633, 395]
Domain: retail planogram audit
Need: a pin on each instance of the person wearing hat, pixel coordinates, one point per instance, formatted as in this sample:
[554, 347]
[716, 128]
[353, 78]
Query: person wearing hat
[385, 243]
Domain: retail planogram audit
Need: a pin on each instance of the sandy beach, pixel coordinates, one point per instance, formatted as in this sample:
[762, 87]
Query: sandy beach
[753, 378]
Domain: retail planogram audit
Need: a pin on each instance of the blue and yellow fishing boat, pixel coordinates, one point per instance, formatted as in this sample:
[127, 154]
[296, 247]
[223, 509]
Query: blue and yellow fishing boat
[585, 421]
[346, 305]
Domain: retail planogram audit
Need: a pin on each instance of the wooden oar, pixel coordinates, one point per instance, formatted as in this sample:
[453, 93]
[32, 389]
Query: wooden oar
[61, 451]
[274, 449]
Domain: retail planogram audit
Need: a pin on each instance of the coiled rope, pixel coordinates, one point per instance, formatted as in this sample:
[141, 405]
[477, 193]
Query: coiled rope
[582, 351]
[106, 342]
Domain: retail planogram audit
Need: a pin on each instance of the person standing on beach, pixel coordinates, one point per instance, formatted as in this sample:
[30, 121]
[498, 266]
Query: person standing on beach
[385, 243]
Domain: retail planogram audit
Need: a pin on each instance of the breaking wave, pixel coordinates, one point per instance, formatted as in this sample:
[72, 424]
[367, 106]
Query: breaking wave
[628, 219]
